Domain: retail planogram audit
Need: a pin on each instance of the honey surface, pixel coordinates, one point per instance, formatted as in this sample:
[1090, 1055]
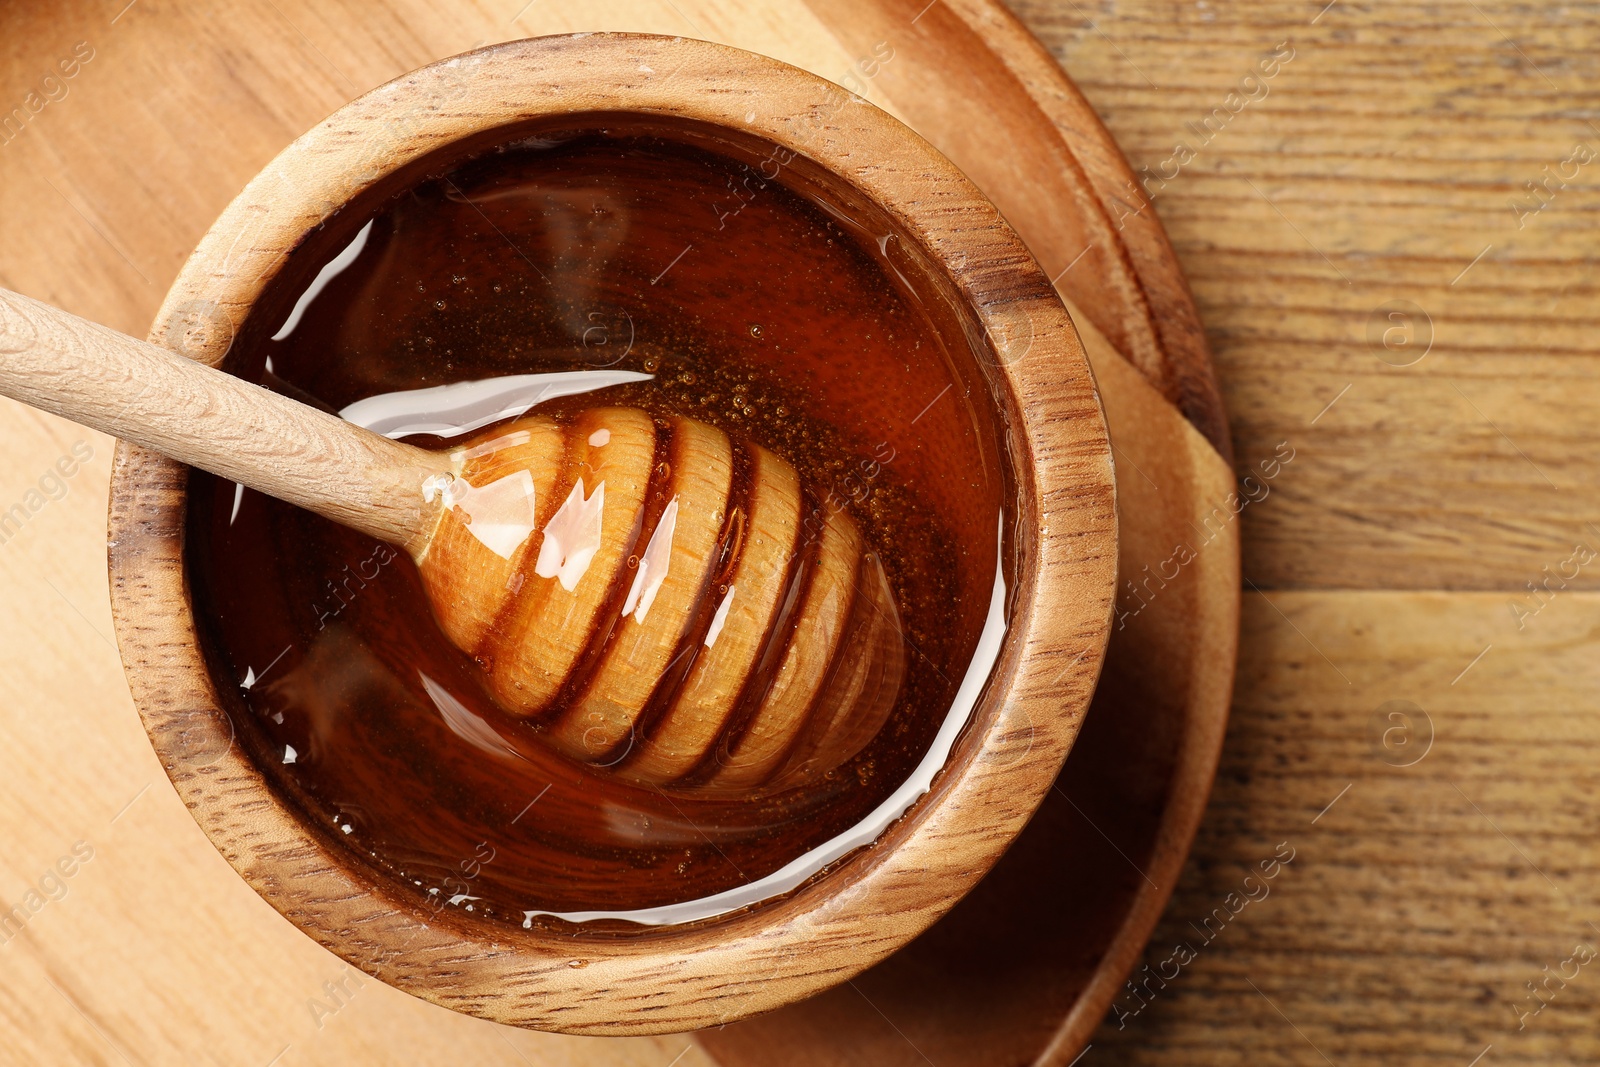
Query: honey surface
[754, 310]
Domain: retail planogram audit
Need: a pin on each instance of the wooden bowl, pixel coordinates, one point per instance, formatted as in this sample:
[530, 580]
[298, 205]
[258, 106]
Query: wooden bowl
[1063, 544]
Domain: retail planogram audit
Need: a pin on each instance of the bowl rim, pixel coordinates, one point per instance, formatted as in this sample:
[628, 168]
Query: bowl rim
[676, 978]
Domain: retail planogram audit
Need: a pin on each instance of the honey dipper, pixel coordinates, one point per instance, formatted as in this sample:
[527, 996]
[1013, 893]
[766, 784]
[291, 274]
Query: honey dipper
[647, 590]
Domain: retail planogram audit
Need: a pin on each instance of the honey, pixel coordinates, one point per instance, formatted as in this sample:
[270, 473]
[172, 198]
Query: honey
[733, 288]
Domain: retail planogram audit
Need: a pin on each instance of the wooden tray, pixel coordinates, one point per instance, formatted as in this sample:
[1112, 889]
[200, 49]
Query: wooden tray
[110, 186]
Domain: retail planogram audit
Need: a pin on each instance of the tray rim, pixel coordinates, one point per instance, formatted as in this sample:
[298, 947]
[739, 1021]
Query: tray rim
[1191, 384]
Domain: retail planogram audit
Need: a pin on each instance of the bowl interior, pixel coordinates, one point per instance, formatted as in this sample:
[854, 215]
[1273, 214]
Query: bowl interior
[766, 298]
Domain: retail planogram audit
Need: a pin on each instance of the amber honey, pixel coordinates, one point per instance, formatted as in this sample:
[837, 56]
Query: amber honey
[757, 304]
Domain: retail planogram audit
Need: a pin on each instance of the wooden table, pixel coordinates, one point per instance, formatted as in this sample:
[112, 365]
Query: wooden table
[1441, 860]
[1380, 166]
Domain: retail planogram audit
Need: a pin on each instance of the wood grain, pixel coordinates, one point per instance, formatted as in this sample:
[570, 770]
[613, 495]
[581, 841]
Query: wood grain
[1382, 162]
[1422, 899]
[1384, 159]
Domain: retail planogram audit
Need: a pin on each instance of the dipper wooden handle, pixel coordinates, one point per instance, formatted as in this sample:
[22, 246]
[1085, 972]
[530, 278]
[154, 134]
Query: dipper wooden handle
[141, 393]
[653, 596]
